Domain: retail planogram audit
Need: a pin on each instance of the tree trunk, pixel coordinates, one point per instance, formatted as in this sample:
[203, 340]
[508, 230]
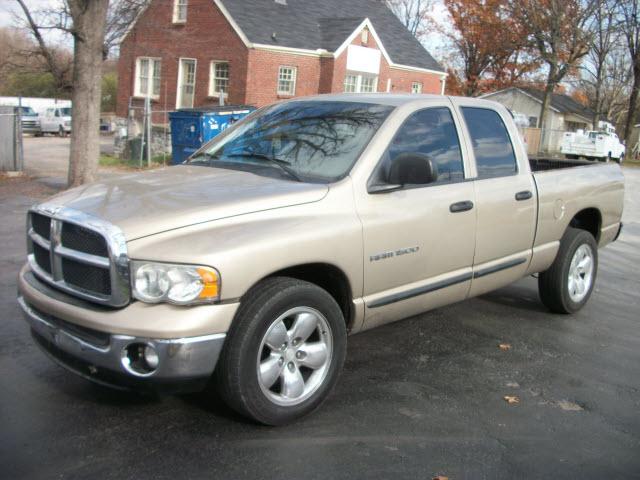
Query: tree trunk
[544, 109]
[633, 107]
[89, 23]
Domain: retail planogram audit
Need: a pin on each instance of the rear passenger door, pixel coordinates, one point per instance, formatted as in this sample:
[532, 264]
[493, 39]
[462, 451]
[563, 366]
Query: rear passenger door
[505, 198]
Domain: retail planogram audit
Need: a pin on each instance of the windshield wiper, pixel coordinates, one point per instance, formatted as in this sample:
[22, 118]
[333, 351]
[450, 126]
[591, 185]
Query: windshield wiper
[283, 165]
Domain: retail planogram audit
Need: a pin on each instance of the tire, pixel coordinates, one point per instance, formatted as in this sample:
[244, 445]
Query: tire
[257, 324]
[61, 132]
[555, 284]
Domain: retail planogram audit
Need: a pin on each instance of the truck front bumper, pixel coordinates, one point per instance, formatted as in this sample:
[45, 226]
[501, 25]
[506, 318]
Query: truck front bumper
[124, 361]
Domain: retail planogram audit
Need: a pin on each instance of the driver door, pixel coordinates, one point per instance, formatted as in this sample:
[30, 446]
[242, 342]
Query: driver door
[419, 240]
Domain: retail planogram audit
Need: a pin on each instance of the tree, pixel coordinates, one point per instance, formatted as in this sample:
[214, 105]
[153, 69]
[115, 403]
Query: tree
[604, 41]
[487, 43]
[561, 32]
[630, 26]
[95, 26]
[414, 14]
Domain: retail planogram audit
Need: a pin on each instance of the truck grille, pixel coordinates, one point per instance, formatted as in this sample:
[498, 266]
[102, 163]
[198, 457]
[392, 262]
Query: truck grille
[79, 254]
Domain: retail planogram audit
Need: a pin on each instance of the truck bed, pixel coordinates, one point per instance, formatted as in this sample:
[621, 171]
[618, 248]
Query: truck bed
[539, 164]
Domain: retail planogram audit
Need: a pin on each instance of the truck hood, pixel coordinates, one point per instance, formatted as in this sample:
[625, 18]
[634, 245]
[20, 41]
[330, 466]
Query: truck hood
[147, 203]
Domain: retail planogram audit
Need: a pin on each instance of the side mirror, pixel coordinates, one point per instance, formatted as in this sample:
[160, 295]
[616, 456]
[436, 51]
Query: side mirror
[412, 169]
[407, 169]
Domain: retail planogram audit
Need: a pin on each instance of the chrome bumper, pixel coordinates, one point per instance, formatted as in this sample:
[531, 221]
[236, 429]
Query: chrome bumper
[189, 360]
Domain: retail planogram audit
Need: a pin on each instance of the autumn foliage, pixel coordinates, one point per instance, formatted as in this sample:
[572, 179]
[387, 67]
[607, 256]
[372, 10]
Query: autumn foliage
[492, 49]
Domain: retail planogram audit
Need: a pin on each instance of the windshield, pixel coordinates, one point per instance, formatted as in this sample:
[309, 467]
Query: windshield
[311, 141]
[65, 112]
[27, 111]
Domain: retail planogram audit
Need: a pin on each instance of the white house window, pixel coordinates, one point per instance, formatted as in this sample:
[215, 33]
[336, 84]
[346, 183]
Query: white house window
[360, 83]
[219, 78]
[186, 83]
[179, 11]
[416, 87]
[147, 83]
[350, 83]
[364, 36]
[287, 80]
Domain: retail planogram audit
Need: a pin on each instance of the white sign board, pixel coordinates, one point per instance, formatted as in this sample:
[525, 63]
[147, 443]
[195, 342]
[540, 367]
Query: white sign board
[363, 59]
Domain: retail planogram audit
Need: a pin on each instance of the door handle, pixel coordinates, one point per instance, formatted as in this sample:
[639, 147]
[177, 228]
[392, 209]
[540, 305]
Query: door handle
[524, 195]
[461, 206]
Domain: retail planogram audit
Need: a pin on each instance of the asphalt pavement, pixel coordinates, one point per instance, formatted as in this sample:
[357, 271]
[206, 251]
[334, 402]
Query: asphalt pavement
[419, 398]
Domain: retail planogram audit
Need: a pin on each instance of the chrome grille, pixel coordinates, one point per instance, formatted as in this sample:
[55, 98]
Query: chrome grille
[79, 254]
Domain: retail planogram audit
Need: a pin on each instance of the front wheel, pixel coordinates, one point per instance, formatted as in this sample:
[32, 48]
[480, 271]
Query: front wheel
[567, 285]
[284, 352]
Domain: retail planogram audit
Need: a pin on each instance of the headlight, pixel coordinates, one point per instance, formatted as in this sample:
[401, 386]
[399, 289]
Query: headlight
[179, 284]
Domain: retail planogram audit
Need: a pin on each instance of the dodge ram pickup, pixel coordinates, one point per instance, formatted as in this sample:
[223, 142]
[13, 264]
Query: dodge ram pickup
[247, 266]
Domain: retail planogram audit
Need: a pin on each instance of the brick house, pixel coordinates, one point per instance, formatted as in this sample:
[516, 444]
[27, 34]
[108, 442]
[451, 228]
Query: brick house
[185, 53]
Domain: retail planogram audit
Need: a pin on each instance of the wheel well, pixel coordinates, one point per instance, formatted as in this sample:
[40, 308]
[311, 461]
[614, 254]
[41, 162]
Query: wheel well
[588, 219]
[327, 277]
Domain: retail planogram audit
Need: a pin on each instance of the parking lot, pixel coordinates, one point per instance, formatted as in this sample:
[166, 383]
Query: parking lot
[419, 398]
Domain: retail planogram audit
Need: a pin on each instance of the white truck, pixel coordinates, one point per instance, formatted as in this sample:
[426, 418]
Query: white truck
[56, 120]
[602, 144]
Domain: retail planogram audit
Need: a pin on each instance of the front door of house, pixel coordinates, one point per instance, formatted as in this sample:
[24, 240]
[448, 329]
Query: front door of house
[186, 83]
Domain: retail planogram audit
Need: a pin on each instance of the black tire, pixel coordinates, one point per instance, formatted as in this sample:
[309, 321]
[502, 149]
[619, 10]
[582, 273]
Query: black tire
[61, 132]
[553, 284]
[236, 372]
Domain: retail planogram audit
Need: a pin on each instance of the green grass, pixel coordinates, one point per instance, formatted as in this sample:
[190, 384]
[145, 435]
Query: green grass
[111, 161]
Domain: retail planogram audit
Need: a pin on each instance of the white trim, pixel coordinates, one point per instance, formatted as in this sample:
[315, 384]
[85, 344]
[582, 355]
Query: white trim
[294, 79]
[133, 23]
[150, 78]
[321, 52]
[233, 23]
[174, 19]
[178, 86]
[211, 92]
[417, 69]
[443, 81]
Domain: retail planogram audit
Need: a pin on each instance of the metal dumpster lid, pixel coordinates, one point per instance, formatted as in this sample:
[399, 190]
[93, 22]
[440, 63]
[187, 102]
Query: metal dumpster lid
[219, 109]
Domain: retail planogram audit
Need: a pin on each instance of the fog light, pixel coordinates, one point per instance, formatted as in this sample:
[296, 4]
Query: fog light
[151, 357]
[140, 359]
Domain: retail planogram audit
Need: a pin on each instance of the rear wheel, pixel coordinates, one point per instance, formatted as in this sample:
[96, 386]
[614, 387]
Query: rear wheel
[61, 132]
[567, 285]
[284, 352]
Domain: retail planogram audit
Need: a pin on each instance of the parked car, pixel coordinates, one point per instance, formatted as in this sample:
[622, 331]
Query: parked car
[602, 144]
[56, 120]
[307, 221]
[29, 120]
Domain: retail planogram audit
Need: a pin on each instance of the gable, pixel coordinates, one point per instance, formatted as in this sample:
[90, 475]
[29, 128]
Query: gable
[313, 25]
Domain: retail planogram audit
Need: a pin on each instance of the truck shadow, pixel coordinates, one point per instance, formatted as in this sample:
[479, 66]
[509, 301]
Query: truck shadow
[519, 296]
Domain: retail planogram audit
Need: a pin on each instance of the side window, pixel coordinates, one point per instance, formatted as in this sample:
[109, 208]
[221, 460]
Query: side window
[431, 133]
[491, 143]
[57, 114]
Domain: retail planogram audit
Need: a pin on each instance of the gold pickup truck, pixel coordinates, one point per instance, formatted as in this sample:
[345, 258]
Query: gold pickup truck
[309, 220]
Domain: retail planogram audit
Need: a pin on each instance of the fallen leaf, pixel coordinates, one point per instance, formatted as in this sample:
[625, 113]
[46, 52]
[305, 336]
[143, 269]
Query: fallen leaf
[569, 406]
[513, 384]
[511, 399]
[505, 346]
[440, 477]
